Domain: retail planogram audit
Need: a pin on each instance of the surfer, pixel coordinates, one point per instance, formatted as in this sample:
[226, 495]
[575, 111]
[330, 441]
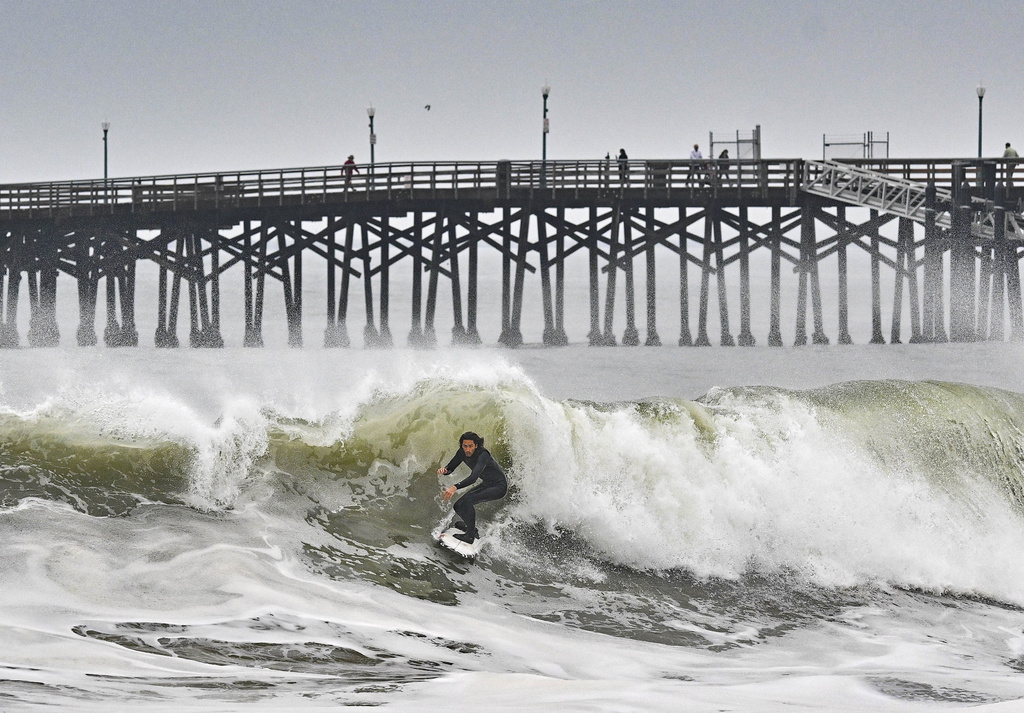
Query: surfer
[493, 484]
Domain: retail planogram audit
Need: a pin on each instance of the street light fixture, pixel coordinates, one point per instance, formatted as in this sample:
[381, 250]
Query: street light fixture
[545, 90]
[981, 96]
[106, 127]
[373, 137]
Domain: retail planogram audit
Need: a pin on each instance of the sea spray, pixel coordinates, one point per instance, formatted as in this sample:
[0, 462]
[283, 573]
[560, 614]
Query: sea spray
[772, 487]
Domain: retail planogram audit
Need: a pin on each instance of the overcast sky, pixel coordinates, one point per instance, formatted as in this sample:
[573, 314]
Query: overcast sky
[197, 85]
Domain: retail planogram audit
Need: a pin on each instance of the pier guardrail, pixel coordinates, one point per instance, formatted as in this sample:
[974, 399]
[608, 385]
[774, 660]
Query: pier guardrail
[501, 180]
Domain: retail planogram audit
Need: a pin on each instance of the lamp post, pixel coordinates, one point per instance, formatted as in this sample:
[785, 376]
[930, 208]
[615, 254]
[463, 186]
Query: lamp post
[373, 137]
[106, 127]
[981, 96]
[545, 90]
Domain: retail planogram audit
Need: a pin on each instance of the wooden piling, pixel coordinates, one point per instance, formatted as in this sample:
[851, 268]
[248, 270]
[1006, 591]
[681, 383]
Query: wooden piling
[650, 243]
[685, 338]
[723, 298]
[746, 337]
[459, 327]
[705, 278]
[631, 337]
[775, 240]
[962, 271]
[594, 336]
[560, 338]
[416, 329]
[876, 285]
[608, 337]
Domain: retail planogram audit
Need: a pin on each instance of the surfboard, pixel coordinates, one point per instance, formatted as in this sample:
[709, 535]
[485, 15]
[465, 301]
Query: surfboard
[466, 549]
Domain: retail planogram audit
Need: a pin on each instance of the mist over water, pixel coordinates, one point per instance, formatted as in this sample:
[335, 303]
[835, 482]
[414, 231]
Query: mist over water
[212, 529]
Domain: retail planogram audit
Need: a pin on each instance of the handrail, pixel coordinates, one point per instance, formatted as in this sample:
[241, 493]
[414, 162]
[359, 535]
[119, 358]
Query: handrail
[176, 192]
[899, 196]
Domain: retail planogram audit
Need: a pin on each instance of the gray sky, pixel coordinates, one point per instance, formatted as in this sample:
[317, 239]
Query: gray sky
[198, 85]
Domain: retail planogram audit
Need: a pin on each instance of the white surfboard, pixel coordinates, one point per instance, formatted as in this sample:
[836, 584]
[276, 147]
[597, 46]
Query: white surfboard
[466, 549]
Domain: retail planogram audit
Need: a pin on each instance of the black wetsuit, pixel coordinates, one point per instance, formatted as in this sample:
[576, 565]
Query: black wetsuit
[493, 484]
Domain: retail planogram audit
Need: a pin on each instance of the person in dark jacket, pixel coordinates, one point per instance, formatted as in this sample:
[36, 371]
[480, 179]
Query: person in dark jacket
[623, 167]
[493, 484]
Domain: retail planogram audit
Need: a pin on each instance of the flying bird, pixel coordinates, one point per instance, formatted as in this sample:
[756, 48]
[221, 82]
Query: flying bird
[427, 107]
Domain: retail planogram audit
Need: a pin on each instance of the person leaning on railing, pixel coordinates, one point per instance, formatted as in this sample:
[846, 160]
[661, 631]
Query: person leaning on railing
[1010, 153]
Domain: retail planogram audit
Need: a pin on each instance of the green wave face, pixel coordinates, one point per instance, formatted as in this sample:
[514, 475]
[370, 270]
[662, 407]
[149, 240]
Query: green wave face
[896, 483]
[951, 432]
[61, 459]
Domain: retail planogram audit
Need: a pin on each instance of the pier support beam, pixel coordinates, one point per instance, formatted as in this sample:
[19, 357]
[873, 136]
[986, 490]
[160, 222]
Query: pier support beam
[1011, 267]
[723, 298]
[416, 338]
[631, 337]
[746, 338]
[1006, 277]
[371, 337]
[594, 336]
[88, 287]
[459, 333]
[775, 240]
[560, 337]
[842, 241]
[436, 255]
[9, 338]
[333, 337]
[543, 248]
[254, 272]
[472, 333]
[652, 276]
[962, 272]
[384, 338]
[167, 304]
[876, 284]
[685, 338]
[809, 280]
[121, 332]
[204, 306]
[42, 294]
[705, 281]
[906, 269]
[608, 337]
[933, 310]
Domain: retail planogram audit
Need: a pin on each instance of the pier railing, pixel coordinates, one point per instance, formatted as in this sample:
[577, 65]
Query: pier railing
[501, 180]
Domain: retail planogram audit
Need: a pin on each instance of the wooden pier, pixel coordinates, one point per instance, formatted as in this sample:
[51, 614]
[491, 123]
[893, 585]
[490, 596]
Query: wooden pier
[947, 230]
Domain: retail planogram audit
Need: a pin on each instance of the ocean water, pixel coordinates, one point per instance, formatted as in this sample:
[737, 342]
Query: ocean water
[700, 529]
[818, 528]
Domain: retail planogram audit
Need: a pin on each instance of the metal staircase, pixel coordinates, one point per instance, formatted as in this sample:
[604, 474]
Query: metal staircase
[896, 196]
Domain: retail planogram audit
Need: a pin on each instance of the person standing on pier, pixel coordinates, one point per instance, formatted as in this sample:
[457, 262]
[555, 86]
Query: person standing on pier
[1010, 152]
[349, 167]
[723, 166]
[623, 167]
[696, 159]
